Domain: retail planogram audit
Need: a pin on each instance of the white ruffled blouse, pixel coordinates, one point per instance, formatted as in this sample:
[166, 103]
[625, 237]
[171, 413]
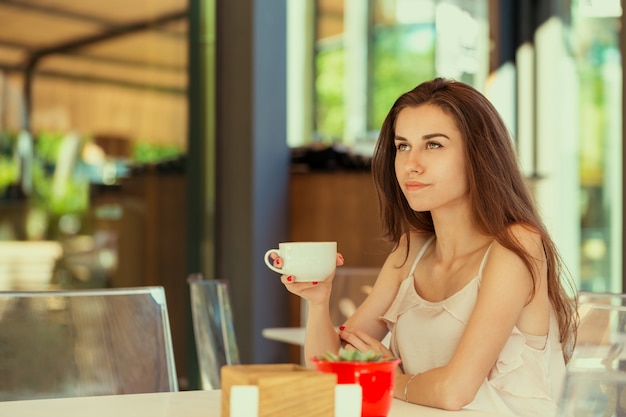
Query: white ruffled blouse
[528, 375]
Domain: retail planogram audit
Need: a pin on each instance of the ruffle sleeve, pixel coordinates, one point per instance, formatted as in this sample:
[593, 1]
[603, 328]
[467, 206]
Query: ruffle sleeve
[401, 304]
[520, 370]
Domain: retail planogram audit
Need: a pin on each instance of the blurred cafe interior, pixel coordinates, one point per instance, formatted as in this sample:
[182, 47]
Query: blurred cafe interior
[144, 141]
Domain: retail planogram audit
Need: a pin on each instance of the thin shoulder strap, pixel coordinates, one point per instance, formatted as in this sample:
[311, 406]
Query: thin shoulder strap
[484, 261]
[421, 253]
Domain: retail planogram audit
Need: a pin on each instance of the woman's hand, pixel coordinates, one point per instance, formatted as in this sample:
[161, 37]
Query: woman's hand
[361, 341]
[316, 292]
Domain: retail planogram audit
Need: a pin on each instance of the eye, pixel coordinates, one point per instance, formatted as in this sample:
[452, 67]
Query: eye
[433, 145]
[402, 147]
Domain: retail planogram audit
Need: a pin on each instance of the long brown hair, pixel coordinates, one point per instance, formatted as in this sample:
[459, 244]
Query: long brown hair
[498, 194]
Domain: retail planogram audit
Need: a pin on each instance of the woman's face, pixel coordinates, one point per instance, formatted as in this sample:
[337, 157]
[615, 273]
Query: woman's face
[430, 158]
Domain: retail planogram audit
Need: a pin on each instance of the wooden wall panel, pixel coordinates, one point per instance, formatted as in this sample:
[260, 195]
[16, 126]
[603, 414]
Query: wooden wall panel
[336, 206]
[342, 207]
[152, 248]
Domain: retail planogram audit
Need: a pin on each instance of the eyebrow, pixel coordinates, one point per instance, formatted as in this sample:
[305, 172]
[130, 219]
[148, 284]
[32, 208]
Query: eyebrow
[425, 137]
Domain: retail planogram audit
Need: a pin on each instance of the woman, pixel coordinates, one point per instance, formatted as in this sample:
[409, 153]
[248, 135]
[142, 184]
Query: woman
[472, 290]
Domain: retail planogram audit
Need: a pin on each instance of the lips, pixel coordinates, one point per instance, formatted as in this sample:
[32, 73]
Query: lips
[414, 185]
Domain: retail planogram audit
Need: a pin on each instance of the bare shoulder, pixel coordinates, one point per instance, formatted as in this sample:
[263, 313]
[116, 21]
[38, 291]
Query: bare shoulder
[408, 247]
[399, 261]
[534, 317]
[504, 261]
[529, 239]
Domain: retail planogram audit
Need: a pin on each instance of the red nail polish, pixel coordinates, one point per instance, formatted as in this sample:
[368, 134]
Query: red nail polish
[277, 262]
[314, 283]
[342, 328]
[289, 278]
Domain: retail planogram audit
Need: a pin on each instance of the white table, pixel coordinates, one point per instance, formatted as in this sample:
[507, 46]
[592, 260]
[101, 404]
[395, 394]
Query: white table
[291, 335]
[173, 404]
[296, 335]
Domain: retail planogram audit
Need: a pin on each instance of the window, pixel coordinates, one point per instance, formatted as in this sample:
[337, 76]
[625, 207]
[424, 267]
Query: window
[593, 83]
[368, 53]
[561, 98]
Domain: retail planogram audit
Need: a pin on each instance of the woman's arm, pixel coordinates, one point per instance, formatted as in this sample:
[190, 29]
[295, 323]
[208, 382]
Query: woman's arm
[364, 330]
[321, 336]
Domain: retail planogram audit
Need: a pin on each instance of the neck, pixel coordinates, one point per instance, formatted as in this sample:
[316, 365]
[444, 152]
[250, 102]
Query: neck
[457, 236]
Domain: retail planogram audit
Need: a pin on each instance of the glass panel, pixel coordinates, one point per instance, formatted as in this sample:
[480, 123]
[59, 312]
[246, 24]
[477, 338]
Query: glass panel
[578, 133]
[214, 330]
[593, 35]
[403, 52]
[329, 71]
[382, 51]
[80, 343]
[595, 383]
[415, 40]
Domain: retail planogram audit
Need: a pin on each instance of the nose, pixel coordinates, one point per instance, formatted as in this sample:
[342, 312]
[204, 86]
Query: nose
[414, 162]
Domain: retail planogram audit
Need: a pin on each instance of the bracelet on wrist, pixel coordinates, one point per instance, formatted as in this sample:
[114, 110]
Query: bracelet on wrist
[406, 387]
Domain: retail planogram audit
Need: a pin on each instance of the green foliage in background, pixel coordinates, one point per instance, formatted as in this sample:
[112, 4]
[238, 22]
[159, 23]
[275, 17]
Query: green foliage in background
[401, 58]
[330, 115]
[47, 145]
[73, 200]
[53, 198]
[593, 127]
[596, 59]
[71, 196]
[9, 167]
[149, 153]
[397, 68]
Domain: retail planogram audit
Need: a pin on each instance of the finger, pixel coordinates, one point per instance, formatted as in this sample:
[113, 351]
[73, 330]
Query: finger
[365, 337]
[386, 352]
[276, 260]
[354, 340]
[287, 279]
[339, 259]
[300, 286]
[363, 341]
[348, 346]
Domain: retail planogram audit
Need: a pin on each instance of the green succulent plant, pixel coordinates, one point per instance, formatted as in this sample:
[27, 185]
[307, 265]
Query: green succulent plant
[352, 355]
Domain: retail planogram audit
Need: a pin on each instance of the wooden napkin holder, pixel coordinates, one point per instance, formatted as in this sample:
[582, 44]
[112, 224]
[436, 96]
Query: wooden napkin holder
[285, 390]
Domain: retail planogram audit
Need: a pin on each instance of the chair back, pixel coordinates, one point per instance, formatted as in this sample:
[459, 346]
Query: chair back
[595, 383]
[85, 343]
[605, 298]
[214, 330]
[593, 326]
[351, 286]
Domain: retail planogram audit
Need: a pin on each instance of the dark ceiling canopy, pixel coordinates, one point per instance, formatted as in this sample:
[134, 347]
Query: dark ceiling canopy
[140, 44]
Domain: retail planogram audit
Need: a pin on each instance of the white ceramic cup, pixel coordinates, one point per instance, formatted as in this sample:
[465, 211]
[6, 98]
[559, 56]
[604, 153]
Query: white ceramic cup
[305, 261]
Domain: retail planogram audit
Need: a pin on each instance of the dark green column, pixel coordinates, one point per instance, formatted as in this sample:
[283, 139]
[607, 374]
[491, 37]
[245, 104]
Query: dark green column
[201, 156]
[252, 166]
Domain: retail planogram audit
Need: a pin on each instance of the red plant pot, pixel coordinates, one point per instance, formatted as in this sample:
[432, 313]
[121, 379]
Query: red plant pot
[375, 378]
